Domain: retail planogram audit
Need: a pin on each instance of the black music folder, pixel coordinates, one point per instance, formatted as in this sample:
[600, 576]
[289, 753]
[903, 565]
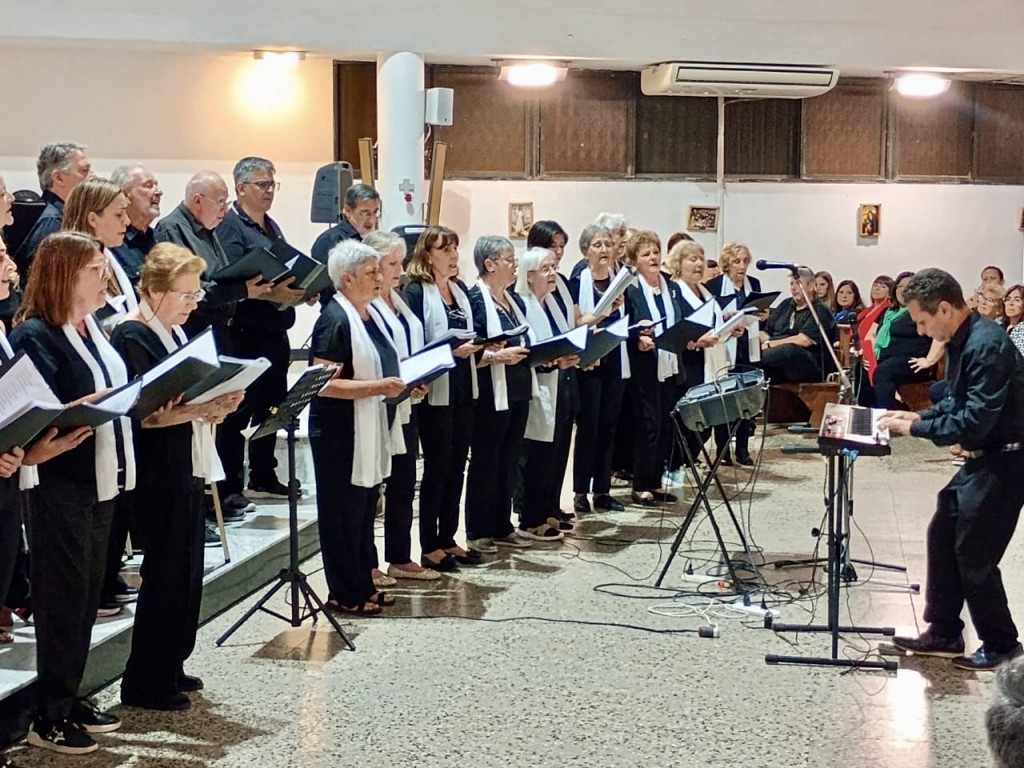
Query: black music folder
[564, 344]
[422, 368]
[258, 261]
[505, 336]
[234, 375]
[111, 406]
[760, 301]
[453, 337]
[675, 338]
[601, 341]
[310, 275]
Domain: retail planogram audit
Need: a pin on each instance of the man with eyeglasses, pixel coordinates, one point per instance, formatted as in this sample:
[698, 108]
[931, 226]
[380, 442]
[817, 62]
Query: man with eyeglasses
[258, 329]
[360, 216]
[144, 195]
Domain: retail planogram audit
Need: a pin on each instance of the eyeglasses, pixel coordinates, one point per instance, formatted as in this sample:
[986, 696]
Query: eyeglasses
[222, 203]
[266, 185]
[187, 296]
[101, 267]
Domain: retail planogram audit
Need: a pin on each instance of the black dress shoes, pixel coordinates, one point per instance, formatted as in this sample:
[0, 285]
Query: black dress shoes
[447, 564]
[743, 457]
[644, 501]
[581, 504]
[170, 702]
[984, 659]
[607, 503]
[930, 644]
[189, 683]
[472, 557]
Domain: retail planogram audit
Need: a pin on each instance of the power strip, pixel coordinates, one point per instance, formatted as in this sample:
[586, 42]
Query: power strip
[754, 610]
[709, 584]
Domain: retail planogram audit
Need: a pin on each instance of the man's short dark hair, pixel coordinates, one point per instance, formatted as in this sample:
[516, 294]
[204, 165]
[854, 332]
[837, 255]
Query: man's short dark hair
[55, 157]
[360, 193]
[247, 166]
[995, 269]
[1004, 720]
[930, 287]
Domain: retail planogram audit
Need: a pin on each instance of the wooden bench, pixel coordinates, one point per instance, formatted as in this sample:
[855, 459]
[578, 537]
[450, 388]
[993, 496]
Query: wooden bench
[915, 395]
[789, 403]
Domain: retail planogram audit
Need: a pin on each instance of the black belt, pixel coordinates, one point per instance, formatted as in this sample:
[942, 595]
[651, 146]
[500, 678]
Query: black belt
[1005, 448]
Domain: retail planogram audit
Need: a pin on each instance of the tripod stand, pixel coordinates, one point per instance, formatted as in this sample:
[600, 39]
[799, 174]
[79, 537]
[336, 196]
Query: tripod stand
[286, 416]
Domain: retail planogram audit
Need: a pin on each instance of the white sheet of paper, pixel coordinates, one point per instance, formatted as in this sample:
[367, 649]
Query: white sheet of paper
[253, 370]
[704, 314]
[122, 401]
[619, 328]
[622, 280]
[422, 363]
[203, 348]
[739, 320]
[23, 387]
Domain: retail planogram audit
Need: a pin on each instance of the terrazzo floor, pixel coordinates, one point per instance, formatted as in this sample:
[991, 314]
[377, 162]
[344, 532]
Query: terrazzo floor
[564, 655]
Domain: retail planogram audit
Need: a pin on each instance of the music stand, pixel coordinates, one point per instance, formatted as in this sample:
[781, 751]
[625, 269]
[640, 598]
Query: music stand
[286, 416]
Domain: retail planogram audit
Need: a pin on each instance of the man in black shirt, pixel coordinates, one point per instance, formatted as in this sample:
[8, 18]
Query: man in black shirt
[361, 215]
[61, 168]
[144, 195]
[792, 349]
[258, 329]
[981, 416]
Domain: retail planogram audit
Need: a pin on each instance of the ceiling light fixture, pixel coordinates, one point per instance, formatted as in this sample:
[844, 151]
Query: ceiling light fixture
[280, 57]
[533, 74]
[921, 85]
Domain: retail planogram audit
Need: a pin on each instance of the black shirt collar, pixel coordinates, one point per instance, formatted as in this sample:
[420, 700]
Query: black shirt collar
[272, 230]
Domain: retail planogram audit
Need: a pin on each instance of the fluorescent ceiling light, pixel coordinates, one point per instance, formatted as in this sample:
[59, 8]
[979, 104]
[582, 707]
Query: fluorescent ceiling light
[921, 85]
[532, 74]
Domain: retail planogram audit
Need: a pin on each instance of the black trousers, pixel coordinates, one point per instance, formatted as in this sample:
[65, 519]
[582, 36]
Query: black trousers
[345, 514]
[974, 520]
[653, 434]
[445, 435]
[265, 393]
[625, 436]
[119, 526]
[167, 612]
[600, 406]
[399, 492]
[889, 374]
[10, 534]
[791, 363]
[68, 533]
[545, 463]
[496, 447]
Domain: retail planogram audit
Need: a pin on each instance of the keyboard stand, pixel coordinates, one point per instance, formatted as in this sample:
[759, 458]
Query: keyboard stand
[840, 476]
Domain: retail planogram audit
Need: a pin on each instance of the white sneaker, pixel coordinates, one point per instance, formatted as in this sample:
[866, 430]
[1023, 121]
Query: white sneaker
[514, 540]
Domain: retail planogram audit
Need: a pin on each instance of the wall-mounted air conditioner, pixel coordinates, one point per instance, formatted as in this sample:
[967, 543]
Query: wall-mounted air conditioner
[753, 81]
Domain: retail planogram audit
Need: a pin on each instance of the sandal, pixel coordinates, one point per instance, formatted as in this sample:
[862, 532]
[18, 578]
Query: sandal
[366, 609]
[644, 499]
[382, 598]
[542, 532]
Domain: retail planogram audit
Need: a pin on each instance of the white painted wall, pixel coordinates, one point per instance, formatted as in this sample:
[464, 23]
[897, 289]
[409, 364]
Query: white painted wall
[179, 113]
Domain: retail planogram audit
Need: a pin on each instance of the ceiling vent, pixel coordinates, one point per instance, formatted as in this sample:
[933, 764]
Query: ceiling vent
[749, 81]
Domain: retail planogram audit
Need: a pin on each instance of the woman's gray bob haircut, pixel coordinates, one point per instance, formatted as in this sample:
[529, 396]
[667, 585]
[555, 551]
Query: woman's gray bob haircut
[346, 258]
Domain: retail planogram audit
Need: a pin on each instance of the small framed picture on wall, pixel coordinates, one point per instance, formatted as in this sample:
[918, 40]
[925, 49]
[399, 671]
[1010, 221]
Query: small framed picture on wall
[520, 219]
[869, 220]
[702, 219]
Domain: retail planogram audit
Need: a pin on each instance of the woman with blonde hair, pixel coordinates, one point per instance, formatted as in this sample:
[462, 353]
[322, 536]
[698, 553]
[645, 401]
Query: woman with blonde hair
[176, 458]
[825, 290]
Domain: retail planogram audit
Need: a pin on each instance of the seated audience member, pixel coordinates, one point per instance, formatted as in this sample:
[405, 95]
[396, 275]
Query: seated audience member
[654, 374]
[792, 348]
[553, 409]
[903, 355]
[395, 318]
[992, 274]
[1004, 720]
[61, 168]
[825, 291]
[848, 302]
[602, 387]
[349, 412]
[1013, 308]
[176, 456]
[503, 407]
[144, 195]
[989, 301]
[81, 473]
[439, 300]
[882, 295]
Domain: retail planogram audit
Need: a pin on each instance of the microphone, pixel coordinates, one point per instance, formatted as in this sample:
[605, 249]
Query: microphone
[762, 265]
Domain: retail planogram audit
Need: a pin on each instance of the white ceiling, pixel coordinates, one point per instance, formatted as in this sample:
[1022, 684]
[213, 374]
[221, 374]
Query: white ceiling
[866, 37]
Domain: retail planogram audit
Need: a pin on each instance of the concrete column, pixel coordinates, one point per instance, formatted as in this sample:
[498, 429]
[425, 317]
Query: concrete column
[400, 137]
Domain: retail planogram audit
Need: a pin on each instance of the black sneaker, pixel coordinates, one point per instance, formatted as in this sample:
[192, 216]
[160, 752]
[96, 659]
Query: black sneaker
[62, 736]
[930, 644]
[984, 659]
[211, 536]
[272, 490]
[189, 683]
[89, 718]
[230, 515]
[237, 501]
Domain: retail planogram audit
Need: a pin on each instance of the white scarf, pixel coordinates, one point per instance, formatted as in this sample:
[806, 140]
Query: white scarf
[563, 317]
[106, 442]
[5, 345]
[386, 319]
[716, 359]
[205, 460]
[668, 362]
[587, 306]
[371, 459]
[540, 424]
[753, 330]
[127, 289]
[435, 324]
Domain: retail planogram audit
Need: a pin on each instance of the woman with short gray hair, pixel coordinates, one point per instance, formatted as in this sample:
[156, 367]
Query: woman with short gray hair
[350, 411]
[506, 386]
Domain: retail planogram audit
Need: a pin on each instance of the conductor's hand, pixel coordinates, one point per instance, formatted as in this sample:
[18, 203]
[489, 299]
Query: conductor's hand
[466, 350]
[50, 445]
[284, 294]
[645, 343]
[898, 422]
[392, 386]
[11, 461]
[257, 288]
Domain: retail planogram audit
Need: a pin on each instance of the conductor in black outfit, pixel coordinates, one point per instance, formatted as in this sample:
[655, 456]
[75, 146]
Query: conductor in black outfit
[981, 417]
